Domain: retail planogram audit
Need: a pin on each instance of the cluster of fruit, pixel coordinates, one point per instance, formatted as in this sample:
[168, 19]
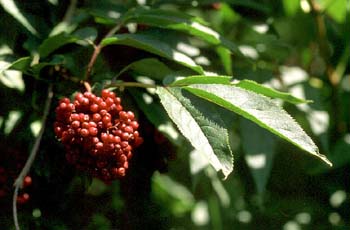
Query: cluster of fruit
[98, 135]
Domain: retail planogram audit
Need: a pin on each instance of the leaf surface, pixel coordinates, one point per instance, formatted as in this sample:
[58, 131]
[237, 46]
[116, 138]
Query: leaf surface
[245, 84]
[201, 123]
[259, 109]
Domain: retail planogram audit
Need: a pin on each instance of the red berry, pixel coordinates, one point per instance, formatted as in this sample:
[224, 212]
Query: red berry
[121, 172]
[94, 108]
[27, 181]
[75, 117]
[75, 124]
[123, 115]
[85, 125]
[63, 106]
[104, 93]
[129, 129]
[125, 136]
[99, 146]
[96, 117]
[102, 106]
[93, 131]
[130, 115]
[84, 132]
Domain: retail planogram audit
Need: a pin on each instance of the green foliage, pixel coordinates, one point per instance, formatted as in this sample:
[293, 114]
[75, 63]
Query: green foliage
[248, 89]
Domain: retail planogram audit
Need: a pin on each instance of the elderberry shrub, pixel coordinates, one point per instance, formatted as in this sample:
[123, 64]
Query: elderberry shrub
[98, 135]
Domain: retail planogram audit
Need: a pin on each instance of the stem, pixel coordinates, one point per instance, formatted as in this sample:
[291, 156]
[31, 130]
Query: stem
[19, 181]
[70, 11]
[336, 127]
[14, 208]
[97, 50]
[322, 39]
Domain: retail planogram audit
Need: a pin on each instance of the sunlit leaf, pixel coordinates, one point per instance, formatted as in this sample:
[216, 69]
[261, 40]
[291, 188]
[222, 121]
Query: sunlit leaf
[259, 109]
[269, 92]
[190, 80]
[245, 84]
[12, 79]
[225, 57]
[11, 8]
[201, 123]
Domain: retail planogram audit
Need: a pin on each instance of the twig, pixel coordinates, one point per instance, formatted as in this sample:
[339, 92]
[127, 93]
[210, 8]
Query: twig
[70, 11]
[97, 50]
[332, 73]
[19, 181]
[14, 208]
[322, 38]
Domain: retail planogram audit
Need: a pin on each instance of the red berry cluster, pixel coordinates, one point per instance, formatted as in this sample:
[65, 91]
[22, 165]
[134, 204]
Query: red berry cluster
[97, 134]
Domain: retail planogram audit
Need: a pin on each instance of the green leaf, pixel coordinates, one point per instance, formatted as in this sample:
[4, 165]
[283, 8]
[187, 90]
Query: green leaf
[340, 156]
[81, 36]
[150, 67]
[11, 8]
[153, 45]
[53, 43]
[202, 124]
[200, 79]
[258, 157]
[269, 92]
[337, 10]
[56, 60]
[87, 33]
[245, 84]
[259, 109]
[180, 22]
[172, 194]
[173, 20]
[21, 64]
[291, 7]
[225, 57]
[12, 79]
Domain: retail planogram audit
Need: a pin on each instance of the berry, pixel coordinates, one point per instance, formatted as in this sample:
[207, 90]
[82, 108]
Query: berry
[27, 181]
[23, 198]
[97, 133]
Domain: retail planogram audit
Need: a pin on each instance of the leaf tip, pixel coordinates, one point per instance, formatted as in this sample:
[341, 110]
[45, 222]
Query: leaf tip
[325, 159]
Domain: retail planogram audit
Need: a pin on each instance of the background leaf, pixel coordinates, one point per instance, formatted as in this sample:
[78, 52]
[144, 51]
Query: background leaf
[11, 8]
[53, 43]
[157, 71]
[153, 45]
[21, 64]
[178, 21]
[259, 157]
